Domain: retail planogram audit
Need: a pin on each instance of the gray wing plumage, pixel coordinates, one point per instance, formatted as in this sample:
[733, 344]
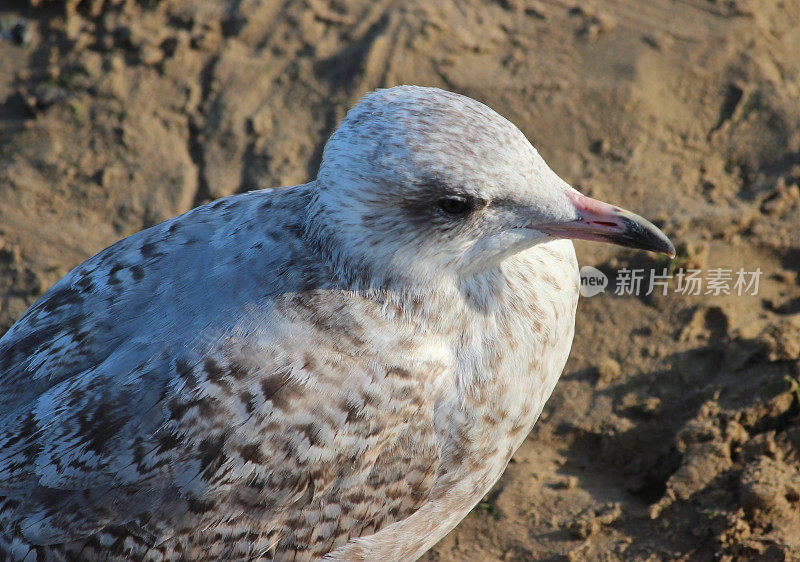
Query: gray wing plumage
[183, 384]
[149, 289]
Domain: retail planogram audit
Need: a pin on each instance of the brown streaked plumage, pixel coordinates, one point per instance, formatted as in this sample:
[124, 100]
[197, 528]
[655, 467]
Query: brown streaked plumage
[337, 370]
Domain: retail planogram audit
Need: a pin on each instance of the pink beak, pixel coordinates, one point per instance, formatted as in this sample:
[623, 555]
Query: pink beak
[607, 223]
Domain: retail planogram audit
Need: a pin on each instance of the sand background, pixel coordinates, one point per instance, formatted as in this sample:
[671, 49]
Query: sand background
[674, 433]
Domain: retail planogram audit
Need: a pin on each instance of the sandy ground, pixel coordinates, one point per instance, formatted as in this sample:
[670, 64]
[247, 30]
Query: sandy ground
[674, 433]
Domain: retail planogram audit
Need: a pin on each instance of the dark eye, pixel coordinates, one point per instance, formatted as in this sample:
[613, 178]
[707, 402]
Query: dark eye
[456, 205]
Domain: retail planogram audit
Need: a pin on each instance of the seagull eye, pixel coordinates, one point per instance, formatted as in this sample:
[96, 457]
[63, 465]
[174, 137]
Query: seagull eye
[456, 205]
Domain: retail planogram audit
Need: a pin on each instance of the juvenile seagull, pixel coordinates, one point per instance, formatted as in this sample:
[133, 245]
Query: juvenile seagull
[335, 370]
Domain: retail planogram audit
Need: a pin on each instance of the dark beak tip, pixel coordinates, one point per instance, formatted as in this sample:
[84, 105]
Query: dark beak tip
[668, 248]
[644, 235]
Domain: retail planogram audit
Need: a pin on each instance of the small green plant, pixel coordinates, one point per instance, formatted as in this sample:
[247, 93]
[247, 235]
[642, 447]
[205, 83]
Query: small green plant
[751, 103]
[681, 260]
[487, 506]
[786, 383]
[78, 113]
[794, 385]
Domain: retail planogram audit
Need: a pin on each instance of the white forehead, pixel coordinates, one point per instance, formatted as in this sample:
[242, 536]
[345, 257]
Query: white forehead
[415, 131]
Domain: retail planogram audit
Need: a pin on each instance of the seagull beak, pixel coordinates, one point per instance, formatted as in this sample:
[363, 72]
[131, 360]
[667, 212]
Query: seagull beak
[607, 223]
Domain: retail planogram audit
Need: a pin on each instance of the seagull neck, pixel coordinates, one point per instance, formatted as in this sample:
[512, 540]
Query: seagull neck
[363, 261]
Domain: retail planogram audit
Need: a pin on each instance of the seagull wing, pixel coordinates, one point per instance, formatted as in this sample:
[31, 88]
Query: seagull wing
[197, 375]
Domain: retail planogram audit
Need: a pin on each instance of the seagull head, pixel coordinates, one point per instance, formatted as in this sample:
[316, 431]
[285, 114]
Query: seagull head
[417, 184]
